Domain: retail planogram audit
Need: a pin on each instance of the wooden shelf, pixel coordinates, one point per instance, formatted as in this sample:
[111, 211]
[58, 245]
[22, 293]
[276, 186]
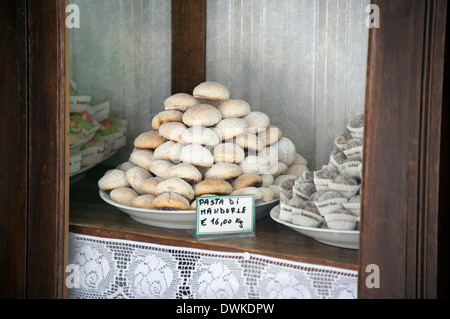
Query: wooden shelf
[90, 215]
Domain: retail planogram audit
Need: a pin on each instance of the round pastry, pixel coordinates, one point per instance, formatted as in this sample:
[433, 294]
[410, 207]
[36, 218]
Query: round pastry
[345, 180]
[356, 127]
[109, 171]
[267, 180]
[223, 171]
[149, 185]
[149, 140]
[267, 194]
[247, 180]
[185, 171]
[300, 160]
[194, 202]
[354, 205]
[211, 90]
[327, 195]
[337, 157]
[248, 191]
[285, 196]
[161, 168]
[171, 201]
[234, 109]
[307, 214]
[277, 169]
[250, 141]
[143, 201]
[354, 142]
[287, 152]
[123, 196]
[116, 178]
[329, 201]
[315, 197]
[200, 135]
[135, 176]
[285, 211]
[353, 150]
[331, 168]
[197, 155]
[202, 115]
[295, 202]
[180, 102]
[351, 168]
[307, 176]
[175, 185]
[172, 131]
[270, 135]
[288, 207]
[341, 219]
[292, 205]
[125, 166]
[229, 128]
[257, 121]
[275, 190]
[357, 122]
[346, 185]
[342, 139]
[228, 153]
[287, 184]
[322, 178]
[304, 190]
[166, 117]
[270, 153]
[169, 151]
[142, 158]
[297, 170]
[254, 165]
[355, 199]
[213, 186]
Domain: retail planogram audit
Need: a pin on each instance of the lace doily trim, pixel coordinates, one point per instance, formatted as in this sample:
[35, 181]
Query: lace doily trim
[111, 268]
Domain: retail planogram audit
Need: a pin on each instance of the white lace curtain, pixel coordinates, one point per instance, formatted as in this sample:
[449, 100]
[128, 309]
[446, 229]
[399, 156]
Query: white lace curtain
[111, 268]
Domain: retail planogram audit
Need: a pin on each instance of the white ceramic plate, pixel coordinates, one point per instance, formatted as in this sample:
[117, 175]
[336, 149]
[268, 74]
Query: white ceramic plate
[338, 238]
[176, 219]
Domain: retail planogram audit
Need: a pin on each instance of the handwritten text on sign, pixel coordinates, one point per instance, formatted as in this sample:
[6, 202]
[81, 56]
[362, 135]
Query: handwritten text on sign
[225, 214]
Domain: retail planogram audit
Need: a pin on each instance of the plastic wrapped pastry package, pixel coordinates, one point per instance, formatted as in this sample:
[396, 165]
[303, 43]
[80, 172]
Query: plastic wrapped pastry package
[93, 133]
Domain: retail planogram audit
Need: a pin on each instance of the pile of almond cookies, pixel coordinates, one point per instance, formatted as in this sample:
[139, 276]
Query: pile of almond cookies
[204, 144]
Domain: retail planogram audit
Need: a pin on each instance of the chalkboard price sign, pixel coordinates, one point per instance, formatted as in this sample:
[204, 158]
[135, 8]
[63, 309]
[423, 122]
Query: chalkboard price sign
[225, 215]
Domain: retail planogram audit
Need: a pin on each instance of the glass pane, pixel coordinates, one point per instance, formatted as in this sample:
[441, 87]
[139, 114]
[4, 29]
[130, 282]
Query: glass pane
[302, 62]
[121, 54]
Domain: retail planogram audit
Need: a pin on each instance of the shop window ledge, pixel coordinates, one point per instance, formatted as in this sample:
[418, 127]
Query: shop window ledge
[90, 215]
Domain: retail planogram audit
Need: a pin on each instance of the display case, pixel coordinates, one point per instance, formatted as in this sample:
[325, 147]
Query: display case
[312, 66]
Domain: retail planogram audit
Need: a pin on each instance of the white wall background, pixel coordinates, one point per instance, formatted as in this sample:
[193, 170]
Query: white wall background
[303, 62]
[121, 53]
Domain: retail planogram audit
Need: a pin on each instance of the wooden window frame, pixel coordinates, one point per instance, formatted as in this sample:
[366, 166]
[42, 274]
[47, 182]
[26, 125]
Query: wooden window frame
[404, 227]
[401, 209]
